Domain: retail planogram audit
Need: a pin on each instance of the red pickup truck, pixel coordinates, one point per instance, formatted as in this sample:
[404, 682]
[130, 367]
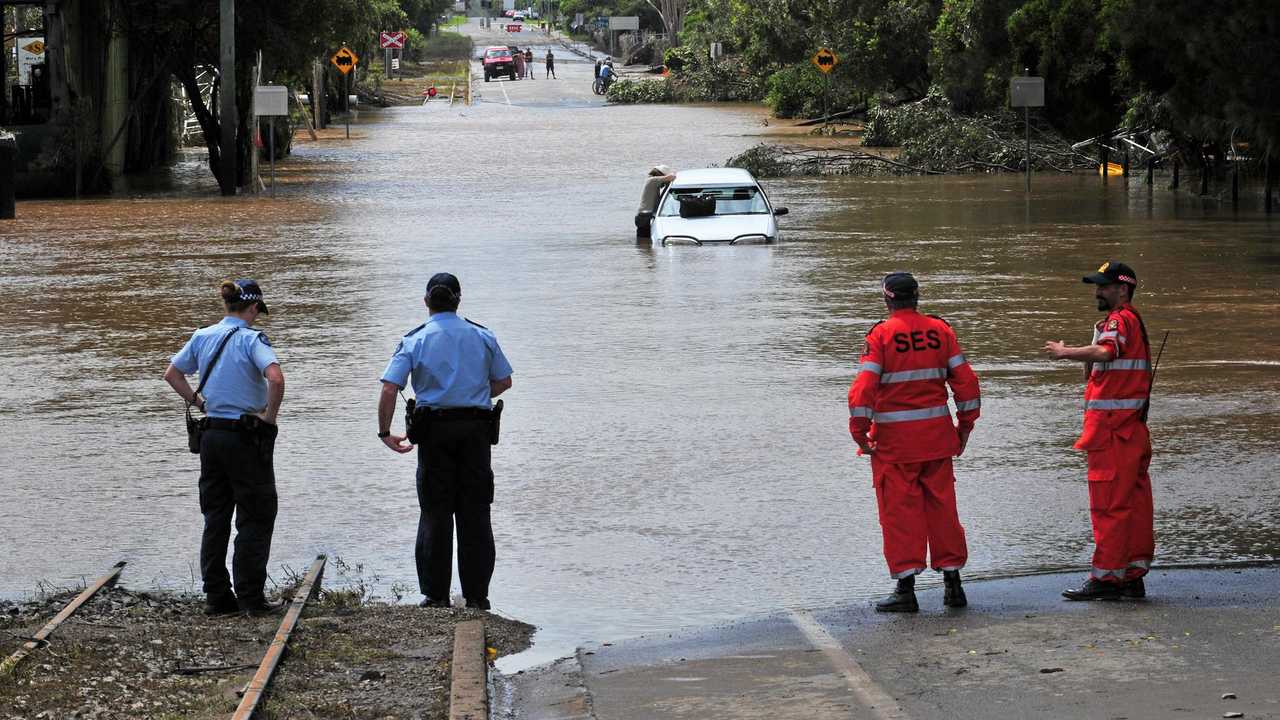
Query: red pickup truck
[498, 61]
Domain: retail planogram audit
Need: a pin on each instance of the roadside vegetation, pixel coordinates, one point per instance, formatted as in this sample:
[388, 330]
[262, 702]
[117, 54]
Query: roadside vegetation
[1191, 78]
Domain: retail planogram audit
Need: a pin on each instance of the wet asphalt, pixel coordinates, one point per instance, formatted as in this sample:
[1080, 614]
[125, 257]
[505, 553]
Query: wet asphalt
[1017, 651]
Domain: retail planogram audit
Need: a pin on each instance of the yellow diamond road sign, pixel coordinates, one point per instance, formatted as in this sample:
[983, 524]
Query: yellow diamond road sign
[35, 48]
[344, 60]
[825, 60]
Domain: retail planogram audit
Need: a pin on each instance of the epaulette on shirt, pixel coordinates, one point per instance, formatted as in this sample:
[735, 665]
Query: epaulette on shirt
[415, 330]
[873, 327]
[263, 337]
[473, 322]
[944, 322]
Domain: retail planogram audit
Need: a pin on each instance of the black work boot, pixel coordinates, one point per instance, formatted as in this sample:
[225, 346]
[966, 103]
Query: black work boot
[260, 607]
[216, 605]
[1134, 589]
[1094, 589]
[903, 598]
[952, 593]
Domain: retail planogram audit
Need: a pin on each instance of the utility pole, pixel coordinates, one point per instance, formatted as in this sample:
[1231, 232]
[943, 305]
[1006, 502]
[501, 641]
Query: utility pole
[227, 93]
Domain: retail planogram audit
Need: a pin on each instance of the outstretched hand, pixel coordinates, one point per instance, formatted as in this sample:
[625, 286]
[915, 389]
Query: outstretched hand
[1056, 349]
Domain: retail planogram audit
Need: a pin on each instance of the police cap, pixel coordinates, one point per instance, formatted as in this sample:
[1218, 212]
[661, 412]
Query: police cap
[445, 279]
[249, 291]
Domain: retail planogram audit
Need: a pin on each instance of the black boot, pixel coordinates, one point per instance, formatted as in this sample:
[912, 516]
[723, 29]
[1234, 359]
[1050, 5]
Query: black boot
[216, 605]
[1135, 589]
[1094, 589]
[952, 593]
[903, 598]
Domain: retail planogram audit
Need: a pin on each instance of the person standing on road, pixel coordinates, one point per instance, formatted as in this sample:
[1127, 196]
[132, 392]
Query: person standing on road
[242, 388]
[457, 367]
[519, 60]
[898, 415]
[551, 65]
[1115, 437]
[660, 176]
[528, 63]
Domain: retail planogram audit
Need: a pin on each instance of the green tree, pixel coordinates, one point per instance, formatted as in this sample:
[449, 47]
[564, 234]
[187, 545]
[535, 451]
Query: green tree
[969, 58]
[1062, 41]
[1209, 69]
[181, 37]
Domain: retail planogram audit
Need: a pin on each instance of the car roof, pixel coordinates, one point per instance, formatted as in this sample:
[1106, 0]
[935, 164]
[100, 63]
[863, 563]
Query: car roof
[713, 176]
[497, 47]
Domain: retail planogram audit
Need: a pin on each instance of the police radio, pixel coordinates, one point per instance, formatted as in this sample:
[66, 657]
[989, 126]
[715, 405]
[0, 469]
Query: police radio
[410, 404]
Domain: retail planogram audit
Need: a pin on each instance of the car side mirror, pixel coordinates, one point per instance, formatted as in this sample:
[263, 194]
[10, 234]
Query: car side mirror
[781, 211]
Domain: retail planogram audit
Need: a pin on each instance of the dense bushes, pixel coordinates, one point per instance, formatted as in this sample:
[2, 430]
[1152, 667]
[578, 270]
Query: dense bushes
[697, 78]
[640, 91]
[796, 91]
[446, 46]
[934, 137]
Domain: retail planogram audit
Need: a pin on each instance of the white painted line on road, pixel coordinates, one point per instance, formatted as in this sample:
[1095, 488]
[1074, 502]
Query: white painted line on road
[504, 91]
[874, 697]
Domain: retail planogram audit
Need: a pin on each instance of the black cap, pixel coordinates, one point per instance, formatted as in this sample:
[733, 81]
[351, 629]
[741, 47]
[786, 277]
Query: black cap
[249, 291]
[1113, 272]
[900, 286]
[447, 280]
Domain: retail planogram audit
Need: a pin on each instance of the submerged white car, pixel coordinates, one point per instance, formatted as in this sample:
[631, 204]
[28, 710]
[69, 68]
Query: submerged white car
[714, 206]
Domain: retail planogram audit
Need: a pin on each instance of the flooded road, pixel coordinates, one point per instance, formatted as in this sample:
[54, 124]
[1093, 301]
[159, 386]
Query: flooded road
[675, 446]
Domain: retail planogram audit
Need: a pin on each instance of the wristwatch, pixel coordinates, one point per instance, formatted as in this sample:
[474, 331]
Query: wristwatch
[384, 433]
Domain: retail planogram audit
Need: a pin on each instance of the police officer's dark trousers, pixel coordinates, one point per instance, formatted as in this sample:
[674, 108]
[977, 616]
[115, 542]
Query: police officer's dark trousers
[455, 481]
[236, 475]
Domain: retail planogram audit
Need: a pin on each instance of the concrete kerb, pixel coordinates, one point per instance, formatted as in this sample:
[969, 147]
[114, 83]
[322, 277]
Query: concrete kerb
[468, 692]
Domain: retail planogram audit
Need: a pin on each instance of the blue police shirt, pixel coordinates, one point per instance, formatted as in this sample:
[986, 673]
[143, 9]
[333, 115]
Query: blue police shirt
[452, 361]
[236, 386]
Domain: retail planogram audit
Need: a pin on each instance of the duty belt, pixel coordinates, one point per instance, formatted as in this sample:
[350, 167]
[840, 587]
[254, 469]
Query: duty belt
[223, 424]
[458, 413]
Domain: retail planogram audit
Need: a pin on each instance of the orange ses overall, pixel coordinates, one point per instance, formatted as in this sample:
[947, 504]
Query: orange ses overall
[898, 402]
[1119, 447]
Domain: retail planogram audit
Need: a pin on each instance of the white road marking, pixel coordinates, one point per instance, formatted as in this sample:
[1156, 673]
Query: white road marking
[872, 696]
[504, 91]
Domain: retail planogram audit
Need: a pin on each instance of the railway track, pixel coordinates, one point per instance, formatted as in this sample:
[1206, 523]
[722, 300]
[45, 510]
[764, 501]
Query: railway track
[253, 692]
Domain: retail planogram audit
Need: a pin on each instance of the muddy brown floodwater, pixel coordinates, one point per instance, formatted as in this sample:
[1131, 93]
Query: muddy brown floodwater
[675, 447]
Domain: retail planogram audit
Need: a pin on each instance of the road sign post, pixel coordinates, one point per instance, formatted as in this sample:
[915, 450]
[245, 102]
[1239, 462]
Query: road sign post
[270, 101]
[346, 61]
[389, 41]
[826, 61]
[1027, 92]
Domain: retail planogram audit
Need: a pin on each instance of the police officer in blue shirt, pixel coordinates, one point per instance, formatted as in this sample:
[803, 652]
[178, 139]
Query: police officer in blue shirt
[457, 367]
[241, 398]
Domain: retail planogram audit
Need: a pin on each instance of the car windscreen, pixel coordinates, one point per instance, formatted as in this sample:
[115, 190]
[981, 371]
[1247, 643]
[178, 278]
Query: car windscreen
[729, 200]
[497, 53]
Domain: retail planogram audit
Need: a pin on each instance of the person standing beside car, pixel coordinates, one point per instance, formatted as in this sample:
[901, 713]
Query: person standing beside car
[241, 389]
[660, 176]
[528, 63]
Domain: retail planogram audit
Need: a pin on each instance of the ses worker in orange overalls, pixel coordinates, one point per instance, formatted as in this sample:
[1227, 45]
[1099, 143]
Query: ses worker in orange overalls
[1118, 368]
[898, 415]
